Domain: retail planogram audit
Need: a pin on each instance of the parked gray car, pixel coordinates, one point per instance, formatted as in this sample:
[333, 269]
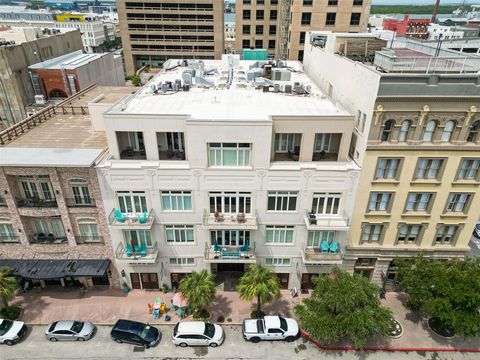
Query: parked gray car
[70, 330]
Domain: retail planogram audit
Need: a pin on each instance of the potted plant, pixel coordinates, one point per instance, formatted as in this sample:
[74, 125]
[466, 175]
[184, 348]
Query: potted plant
[125, 287]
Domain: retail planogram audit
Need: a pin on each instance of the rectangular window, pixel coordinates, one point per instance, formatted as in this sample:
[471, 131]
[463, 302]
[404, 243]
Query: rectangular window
[379, 201]
[37, 187]
[271, 44]
[457, 202]
[326, 203]
[72, 85]
[258, 44]
[445, 234]
[302, 37]
[306, 18]
[259, 30]
[259, 14]
[282, 201]
[230, 202]
[300, 55]
[315, 238]
[418, 201]
[277, 261]
[387, 168]
[246, 44]
[229, 154]
[132, 201]
[235, 238]
[272, 30]
[285, 143]
[176, 200]
[89, 231]
[137, 238]
[7, 233]
[246, 14]
[307, 2]
[36, 84]
[331, 18]
[408, 234]
[357, 2]
[332, 2]
[371, 233]
[2, 201]
[428, 168]
[246, 29]
[81, 193]
[322, 142]
[179, 233]
[279, 234]
[247, 2]
[355, 19]
[469, 169]
[273, 14]
[49, 226]
[182, 261]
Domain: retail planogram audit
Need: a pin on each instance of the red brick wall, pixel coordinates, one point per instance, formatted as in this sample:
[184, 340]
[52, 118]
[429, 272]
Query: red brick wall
[51, 79]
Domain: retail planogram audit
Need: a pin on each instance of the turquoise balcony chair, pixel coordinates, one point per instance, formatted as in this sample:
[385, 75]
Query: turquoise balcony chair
[128, 250]
[143, 250]
[245, 247]
[216, 248]
[324, 246]
[334, 247]
[119, 216]
[143, 219]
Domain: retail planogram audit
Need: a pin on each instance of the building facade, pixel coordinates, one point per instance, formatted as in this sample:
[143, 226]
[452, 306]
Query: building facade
[281, 25]
[201, 181]
[417, 136]
[155, 31]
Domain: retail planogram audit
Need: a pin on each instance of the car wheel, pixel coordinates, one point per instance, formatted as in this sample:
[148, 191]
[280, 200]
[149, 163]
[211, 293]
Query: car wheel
[118, 341]
[81, 339]
[213, 345]
[9, 342]
[290, 339]
[183, 344]
[53, 339]
[255, 340]
[147, 346]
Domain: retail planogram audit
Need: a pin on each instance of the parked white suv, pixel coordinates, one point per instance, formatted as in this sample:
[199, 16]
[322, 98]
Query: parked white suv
[198, 333]
[12, 332]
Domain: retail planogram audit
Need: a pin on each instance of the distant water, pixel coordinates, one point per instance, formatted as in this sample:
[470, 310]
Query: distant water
[419, 16]
[229, 17]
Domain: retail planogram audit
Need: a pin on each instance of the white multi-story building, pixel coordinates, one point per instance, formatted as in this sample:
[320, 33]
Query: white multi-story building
[223, 172]
[93, 33]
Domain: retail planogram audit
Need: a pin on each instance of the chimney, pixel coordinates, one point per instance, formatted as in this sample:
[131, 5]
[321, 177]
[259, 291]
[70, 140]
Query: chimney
[435, 11]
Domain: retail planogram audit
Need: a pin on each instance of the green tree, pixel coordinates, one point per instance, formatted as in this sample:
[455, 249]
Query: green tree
[136, 80]
[199, 289]
[344, 305]
[447, 290]
[260, 283]
[8, 285]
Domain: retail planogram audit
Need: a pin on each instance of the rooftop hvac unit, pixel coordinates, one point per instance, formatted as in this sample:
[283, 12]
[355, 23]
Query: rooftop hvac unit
[39, 99]
[281, 75]
[187, 78]
[276, 88]
[288, 89]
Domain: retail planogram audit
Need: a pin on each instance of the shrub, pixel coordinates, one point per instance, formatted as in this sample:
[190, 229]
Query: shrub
[221, 319]
[10, 312]
[257, 314]
[229, 319]
[165, 288]
[201, 314]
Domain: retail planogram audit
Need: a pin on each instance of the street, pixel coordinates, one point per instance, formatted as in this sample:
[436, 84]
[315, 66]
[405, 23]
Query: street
[35, 346]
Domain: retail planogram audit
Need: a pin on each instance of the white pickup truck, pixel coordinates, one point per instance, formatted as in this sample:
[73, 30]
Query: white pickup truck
[270, 328]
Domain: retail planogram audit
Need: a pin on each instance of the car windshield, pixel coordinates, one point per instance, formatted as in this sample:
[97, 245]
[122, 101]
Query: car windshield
[283, 324]
[209, 330]
[77, 326]
[5, 326]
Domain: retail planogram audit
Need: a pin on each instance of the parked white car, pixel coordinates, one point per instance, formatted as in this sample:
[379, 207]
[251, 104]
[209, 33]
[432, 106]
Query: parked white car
[12, 332]
[198, 333]
[270, 328]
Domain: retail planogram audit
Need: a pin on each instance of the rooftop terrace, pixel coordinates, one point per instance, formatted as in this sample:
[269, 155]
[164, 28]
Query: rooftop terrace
[230, 89]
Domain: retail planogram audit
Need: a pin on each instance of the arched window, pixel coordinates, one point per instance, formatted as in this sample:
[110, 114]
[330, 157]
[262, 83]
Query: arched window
[403, 134]
[429, 131]
[387, 129]
[473, 131]
[448, 131]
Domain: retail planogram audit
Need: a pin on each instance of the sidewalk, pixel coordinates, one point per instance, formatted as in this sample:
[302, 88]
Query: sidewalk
[105, 306]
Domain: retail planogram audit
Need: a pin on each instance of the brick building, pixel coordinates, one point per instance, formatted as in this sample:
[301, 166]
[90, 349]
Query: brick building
[417, 28]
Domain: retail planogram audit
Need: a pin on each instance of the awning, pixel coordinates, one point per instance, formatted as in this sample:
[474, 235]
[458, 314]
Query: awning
[41, 269]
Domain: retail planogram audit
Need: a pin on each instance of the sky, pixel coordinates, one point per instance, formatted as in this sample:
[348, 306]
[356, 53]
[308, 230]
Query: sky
[413, 2]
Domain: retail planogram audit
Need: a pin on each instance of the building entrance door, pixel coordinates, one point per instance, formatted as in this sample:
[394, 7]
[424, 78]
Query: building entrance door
[149, 281]
[135, 278]
[307, 281]
[283, 279]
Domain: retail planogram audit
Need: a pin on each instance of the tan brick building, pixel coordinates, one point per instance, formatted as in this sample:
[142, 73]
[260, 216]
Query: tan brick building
[50, 201]
[280, 25]
[156, 30]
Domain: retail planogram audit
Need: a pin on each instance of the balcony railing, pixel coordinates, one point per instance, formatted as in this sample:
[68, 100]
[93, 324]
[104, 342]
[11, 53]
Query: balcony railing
[327, 222]
[317, 256]
[239, 254]
[80, 202]
[229, 221]
[9, 239]
[127, 220]
[47, 239]
[37, 203]
[130, 254]
[89, 239]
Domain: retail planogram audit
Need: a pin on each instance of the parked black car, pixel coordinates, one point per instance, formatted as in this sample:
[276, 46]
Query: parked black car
[137, 333]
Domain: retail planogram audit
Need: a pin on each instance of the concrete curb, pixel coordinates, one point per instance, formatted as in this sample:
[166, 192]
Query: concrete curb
[172, 323]
[307, 337]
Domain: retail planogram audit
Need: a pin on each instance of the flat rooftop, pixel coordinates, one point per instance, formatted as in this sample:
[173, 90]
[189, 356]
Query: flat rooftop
[68, 130]
[69, 61]
[229, 89]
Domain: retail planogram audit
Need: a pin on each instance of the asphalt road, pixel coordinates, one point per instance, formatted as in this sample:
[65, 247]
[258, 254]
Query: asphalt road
[35, 346]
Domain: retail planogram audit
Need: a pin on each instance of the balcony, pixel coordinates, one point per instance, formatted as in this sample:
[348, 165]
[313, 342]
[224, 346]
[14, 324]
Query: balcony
[48, 239]
[228, 254]
[9, 239]
[128, 255]
[326, 222]
[36, 203]
[315, 256]
[229, 221]
[80, 202]
[131, 220]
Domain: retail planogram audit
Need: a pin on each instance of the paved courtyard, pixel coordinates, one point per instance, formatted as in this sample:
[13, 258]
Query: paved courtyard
[105, 306]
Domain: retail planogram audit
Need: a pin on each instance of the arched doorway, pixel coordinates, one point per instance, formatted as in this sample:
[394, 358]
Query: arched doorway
[57, 93]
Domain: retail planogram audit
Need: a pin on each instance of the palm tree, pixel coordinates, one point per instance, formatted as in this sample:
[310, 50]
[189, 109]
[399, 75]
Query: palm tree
[258, 282]
[8, 285]
[198, 288]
